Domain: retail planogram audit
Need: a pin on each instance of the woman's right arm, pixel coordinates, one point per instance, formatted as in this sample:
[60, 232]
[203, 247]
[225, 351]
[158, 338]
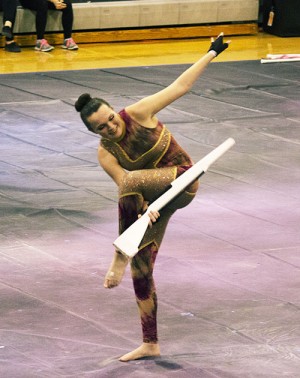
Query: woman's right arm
[111, 165]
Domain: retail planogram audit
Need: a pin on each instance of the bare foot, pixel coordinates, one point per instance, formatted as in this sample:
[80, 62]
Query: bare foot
[116, 270]
[145, 350]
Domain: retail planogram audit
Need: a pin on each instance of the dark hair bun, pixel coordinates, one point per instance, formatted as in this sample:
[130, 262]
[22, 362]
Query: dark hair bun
[82, 101]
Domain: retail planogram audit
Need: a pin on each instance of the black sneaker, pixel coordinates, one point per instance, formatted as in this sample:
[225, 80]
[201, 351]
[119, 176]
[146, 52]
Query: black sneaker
[12, 47]
[7, 32]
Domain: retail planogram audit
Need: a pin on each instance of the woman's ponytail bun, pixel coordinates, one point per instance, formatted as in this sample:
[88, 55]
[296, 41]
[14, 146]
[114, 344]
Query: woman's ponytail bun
[82, 100]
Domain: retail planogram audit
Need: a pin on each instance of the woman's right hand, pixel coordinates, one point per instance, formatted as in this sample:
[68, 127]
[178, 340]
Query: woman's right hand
[153, 215]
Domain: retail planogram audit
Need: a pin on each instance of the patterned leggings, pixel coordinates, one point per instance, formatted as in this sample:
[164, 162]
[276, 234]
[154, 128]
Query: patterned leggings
[137, 187]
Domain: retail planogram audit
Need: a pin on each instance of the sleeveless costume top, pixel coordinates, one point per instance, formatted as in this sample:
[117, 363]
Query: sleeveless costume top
[144, 148]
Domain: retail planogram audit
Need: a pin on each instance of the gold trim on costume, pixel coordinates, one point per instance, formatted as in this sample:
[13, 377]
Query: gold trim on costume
[145, 160]
[130, 194]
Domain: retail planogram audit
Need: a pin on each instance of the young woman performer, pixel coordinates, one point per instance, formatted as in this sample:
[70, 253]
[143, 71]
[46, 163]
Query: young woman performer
[143, 158]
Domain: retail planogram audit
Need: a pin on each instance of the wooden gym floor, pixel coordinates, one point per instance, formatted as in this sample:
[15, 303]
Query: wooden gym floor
[129, 54]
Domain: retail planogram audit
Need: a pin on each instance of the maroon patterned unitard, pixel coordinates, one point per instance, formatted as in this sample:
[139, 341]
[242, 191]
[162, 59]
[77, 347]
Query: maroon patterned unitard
[153, 160]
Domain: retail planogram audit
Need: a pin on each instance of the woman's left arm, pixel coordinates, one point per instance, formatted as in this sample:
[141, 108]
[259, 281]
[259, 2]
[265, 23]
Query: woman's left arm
[144, 110]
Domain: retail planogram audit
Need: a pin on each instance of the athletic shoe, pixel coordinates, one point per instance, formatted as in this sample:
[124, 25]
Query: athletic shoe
[69, 44]
[12, 47]
[7, 32]
[43, 45]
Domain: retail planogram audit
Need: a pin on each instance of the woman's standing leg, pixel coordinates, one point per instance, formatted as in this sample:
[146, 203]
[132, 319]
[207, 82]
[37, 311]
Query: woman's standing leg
[137, 187]
[142, 266]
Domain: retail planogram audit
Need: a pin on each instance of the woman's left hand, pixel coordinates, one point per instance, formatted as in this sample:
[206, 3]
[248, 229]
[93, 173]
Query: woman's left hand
[217, 45]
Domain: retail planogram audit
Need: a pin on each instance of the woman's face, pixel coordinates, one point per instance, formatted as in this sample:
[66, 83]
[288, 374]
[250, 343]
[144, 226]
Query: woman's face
[107, 123]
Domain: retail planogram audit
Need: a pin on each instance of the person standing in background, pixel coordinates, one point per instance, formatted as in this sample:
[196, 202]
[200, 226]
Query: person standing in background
[9, 8]
[41, 7]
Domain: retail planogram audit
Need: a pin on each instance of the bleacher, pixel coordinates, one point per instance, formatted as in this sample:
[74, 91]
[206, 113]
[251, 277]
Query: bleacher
[124, 20]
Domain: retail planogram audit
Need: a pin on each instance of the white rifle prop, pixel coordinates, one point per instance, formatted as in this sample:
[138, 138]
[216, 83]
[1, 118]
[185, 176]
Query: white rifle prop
[128, 242]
